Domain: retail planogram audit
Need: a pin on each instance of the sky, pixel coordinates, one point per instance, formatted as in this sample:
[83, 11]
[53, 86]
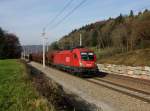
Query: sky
[27, 18]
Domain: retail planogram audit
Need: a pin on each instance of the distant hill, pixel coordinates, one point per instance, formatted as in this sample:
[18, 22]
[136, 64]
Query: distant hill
[32, 48]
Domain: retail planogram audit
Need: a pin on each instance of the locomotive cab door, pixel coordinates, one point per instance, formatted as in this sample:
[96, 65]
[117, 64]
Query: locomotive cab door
[75, 60]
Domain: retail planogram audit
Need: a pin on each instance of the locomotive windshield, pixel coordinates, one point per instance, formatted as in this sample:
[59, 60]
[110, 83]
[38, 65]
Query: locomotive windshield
[87, 56]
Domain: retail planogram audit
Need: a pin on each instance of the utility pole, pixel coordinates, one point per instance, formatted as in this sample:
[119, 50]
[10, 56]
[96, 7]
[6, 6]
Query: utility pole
[80, 39]
[46, 44]
[24, 52]
[43, 36]
[47, 47]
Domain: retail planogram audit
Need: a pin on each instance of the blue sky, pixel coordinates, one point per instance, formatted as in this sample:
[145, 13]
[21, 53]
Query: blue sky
[26, 18]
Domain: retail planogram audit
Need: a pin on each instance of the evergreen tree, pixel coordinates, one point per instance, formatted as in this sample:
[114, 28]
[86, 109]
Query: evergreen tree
[146, 10]
[131, 13]
[119, 19]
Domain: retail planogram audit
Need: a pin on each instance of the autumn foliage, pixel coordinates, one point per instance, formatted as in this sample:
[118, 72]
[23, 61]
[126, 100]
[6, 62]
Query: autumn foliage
[124, 33]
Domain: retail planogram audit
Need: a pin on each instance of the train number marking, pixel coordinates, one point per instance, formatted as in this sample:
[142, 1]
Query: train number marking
[67, 59]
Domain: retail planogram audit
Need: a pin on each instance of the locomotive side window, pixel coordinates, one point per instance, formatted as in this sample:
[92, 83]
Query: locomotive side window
[87, 56]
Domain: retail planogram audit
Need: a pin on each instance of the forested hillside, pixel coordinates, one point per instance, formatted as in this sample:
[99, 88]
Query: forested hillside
[108, 37]
[126, 32]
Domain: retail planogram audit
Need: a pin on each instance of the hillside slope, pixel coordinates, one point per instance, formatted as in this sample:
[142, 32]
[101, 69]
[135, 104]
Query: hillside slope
[125, 32]
[134, 58]
[122, 36]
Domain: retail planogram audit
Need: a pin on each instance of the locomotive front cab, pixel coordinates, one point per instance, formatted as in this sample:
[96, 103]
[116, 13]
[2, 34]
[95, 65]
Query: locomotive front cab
[84, 61]
[88, 60]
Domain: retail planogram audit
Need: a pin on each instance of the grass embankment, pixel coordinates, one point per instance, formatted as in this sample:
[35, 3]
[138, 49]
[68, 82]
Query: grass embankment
[139, 57]
[16, 90]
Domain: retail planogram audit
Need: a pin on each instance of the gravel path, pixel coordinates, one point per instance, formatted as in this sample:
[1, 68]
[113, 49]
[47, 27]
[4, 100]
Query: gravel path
[104, 98]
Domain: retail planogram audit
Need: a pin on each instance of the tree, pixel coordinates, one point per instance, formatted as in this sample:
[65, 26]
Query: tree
[106, 31]
[1, 33]
[94, 38]
[131, 14]
[9, 45]
[141, 34]
[54, 46]
[119, 19]
[1, 41]
[100, 40]
[120, 36]
[146, 10]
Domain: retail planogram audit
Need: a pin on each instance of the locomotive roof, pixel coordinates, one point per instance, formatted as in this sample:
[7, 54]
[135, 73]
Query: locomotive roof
[84, 50]
[69, 51]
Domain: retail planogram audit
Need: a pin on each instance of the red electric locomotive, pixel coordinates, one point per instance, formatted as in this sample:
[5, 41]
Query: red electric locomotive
[76, 60]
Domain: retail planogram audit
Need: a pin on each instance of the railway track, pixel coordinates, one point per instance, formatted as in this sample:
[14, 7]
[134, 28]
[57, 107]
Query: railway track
[127, 82]
[102, 94]
[102, 80]
[123, 88]
[137, 93]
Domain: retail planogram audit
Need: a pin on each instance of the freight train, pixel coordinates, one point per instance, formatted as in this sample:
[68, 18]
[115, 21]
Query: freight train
[77, 60]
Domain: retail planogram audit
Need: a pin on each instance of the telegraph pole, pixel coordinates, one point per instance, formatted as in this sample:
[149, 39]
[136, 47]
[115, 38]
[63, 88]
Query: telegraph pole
[80, 39]
[43, 36]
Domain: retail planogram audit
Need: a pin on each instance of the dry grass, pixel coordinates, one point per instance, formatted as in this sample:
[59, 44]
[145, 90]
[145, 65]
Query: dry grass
[134, 58]
[50, 90]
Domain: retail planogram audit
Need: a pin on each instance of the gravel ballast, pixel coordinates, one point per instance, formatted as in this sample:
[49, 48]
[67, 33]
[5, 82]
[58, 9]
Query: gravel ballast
[104, 98]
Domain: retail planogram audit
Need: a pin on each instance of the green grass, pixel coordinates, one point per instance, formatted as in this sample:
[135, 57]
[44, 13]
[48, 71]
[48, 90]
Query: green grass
[16, 90]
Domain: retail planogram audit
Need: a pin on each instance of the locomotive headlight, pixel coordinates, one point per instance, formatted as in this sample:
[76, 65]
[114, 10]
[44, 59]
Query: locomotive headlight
[81, 64]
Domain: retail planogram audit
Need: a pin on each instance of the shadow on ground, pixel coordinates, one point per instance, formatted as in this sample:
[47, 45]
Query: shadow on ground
[98, 74]
[55, 94]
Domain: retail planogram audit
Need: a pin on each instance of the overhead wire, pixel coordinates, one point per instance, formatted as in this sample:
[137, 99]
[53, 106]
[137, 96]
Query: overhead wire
[60, 12]
[68, 14]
